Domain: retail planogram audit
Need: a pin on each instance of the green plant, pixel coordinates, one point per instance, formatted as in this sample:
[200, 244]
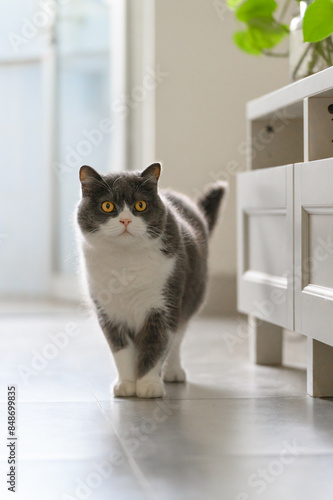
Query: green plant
[263, 31]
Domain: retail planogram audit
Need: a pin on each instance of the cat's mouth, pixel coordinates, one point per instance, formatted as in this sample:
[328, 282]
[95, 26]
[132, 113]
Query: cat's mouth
[126, 233]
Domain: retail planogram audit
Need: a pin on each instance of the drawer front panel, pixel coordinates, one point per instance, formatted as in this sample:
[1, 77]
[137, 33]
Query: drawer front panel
[265, 244]
[314, 249]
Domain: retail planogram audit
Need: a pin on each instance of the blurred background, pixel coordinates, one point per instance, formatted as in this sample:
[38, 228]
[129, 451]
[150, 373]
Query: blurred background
[115, 84]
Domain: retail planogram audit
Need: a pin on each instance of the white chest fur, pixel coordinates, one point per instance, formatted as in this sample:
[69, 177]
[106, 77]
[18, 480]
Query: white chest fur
[127, 281]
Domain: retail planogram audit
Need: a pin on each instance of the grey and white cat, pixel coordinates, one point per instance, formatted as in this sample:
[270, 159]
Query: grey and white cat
[145, 259]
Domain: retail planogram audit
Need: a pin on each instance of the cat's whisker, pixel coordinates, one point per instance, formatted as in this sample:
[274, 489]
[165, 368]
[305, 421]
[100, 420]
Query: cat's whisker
[103, 183]
[115, 181]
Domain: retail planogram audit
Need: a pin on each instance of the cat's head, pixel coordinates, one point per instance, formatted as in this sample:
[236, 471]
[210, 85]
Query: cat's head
[122, 207]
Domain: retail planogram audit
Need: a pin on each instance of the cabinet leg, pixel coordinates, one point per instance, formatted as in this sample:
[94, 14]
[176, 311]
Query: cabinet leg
[265, 342]
[319, 369]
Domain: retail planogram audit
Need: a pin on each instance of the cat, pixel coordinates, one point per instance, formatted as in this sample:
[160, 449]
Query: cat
[144, 254]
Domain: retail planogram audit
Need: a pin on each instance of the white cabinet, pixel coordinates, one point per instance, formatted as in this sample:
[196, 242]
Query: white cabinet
[285, 225]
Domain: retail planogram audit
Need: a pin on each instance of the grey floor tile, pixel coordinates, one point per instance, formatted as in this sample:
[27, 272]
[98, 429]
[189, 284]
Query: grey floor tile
[242, 478]
[225, 427]
[54, 359]
[102, 479]
[68, 431]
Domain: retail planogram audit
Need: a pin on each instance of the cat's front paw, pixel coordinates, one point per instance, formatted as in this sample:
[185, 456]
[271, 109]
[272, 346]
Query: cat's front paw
[174, 374]
[124, 388]
[150, 388]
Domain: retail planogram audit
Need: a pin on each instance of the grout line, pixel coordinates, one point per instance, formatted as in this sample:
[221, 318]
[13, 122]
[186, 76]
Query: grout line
[305, 396]
[139, 475]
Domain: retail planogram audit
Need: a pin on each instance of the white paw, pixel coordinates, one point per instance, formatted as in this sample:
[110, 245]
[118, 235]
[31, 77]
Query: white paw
[172, 374]
[124, 388]
[149, 388]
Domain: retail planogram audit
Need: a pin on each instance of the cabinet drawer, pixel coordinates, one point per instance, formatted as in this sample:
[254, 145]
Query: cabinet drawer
[265, 244]
[314, 249]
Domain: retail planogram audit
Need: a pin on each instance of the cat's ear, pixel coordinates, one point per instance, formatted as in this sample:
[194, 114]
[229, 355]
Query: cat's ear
[89, 179]
[154, 170]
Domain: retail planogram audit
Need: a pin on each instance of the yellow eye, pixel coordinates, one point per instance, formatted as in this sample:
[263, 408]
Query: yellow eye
[140, 206]
[107, 206]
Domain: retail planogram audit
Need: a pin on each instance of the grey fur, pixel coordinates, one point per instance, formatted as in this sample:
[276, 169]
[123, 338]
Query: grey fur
[211, 201]
[184, 228]
[151, 347]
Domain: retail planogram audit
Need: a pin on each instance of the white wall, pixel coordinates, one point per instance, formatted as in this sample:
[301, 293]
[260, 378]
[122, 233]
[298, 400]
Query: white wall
[200, 106]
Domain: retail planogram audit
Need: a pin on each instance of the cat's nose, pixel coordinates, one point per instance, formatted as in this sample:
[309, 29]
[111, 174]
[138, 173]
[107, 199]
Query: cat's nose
[125, 222]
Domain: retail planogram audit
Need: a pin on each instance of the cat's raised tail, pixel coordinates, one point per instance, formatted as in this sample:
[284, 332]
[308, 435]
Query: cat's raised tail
[210, 202]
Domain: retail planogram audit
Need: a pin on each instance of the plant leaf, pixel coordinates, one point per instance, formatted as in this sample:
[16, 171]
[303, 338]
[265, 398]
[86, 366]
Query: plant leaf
[262, 33]
[255, 8]
[318, 21]
[266, 33]
[232, 4]
[244, 42]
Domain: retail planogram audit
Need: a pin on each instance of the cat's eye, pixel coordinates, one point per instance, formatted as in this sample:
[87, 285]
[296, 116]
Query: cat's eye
[107, 206]
[140, 206]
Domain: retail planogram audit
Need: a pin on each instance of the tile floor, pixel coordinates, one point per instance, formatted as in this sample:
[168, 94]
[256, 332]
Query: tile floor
[233, 432]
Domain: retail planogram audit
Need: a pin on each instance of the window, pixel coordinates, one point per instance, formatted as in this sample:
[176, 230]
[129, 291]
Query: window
[61, 65]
